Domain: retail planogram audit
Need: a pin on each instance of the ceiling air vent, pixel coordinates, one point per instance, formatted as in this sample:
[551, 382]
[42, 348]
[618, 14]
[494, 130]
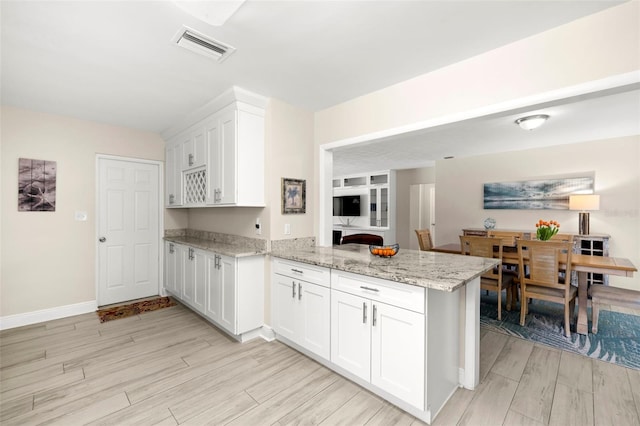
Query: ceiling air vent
[200, 43]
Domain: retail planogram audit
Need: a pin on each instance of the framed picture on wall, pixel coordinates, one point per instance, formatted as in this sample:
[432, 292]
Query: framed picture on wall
[548, 194]
[36, 185]
[294, 196]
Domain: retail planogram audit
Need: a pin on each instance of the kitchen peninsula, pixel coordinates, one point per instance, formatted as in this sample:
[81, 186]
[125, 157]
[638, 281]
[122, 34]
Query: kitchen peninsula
[405, 327]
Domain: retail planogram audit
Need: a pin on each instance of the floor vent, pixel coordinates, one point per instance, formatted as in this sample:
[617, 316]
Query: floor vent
[202, 44]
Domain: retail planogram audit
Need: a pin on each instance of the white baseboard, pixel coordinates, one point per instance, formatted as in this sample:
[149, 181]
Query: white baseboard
[267, 333]
[19, 320]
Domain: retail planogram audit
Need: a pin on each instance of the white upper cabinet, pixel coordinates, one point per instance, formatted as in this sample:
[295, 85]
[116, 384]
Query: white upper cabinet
[194, 148]
[236, 156]
[221, 154]
[173, 175]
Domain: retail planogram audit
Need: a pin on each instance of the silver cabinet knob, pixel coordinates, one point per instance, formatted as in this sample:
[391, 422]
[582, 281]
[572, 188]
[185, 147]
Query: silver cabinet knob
[102, 239]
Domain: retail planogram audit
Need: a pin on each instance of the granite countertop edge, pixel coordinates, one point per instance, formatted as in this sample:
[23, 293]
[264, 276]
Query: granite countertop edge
[438, 271]
[226, 249]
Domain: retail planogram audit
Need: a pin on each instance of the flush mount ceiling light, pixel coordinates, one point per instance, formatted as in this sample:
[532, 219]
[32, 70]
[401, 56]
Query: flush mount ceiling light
[212, 12]
[532, 122]
[199, 43]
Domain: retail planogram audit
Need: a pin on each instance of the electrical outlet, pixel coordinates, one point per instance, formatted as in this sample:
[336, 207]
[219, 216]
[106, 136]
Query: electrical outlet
[287, 229]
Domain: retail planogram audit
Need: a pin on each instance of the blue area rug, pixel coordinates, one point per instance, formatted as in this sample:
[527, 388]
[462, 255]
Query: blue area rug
[617, 341]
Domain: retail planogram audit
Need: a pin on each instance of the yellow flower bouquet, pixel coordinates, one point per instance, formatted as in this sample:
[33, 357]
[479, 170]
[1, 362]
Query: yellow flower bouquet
[546, 230]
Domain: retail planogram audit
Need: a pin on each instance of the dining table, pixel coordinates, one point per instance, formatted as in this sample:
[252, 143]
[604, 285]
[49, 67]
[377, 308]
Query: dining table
[581, 263]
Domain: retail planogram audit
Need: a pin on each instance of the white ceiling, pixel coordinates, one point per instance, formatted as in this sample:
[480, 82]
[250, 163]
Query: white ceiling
[113, 61]
[571, 121]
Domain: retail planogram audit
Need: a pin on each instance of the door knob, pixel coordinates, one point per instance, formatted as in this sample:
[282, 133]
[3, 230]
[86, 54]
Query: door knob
[102, 239]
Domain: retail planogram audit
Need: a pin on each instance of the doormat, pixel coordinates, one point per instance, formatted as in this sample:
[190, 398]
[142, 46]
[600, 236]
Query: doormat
[117, 312]
[617, 340]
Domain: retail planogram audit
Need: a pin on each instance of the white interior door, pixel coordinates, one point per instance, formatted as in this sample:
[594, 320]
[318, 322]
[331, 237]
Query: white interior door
[421, 212]
[128, 230]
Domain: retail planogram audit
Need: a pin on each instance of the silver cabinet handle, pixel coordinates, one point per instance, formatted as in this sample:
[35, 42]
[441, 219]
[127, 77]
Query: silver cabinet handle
[364, 312]
[172, 198]
[191, 256]
[172, 248]
[102, 239]
[299, 291]
[369, 288]
[293, 289]
[375, 312]
[191, 159]
[297, 270]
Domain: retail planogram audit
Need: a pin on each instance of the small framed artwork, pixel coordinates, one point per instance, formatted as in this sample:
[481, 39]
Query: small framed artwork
[36, 185]
[294, 196]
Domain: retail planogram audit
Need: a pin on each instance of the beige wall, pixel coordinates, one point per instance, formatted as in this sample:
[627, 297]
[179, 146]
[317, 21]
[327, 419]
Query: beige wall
[615, 164]
[48, 258]
[290, 155]
[592, 48]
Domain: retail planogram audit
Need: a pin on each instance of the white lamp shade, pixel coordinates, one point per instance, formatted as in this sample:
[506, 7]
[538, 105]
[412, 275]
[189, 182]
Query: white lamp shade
[532, 122]
[584, 202]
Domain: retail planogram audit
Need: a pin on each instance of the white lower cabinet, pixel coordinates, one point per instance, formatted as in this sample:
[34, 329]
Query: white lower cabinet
[172, 273]
[300, 305]
[222, 296]
[193, 285]
[351, 333]
[227, 290]
[400, 341]
[378, 342]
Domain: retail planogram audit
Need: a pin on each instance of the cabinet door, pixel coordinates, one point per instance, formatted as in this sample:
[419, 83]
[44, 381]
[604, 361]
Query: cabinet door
[315, 319]
[212, 133]
[173, 172]
[170, 268]
[284, 292]
[170, 182]
[351, 333]
[397, 352]
[221, 138]
[193, 148]
[213, 304]
[199, 278]
[189, 283]
[182, 259]
[379, 206]
[228, 296]
[227, 156]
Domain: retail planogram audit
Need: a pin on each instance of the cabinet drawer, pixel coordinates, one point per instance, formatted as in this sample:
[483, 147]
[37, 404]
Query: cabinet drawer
[401, 295]
[302, 271]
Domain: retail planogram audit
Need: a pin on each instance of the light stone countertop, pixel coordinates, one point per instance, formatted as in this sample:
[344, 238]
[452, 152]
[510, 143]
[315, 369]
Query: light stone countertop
[232, 249]
[439, 271]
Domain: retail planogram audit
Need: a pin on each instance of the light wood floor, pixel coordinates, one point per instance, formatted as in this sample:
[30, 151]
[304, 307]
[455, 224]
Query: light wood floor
[171, 367]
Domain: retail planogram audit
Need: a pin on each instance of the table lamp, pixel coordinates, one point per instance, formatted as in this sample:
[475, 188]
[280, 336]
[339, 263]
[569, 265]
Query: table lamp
[584, 203]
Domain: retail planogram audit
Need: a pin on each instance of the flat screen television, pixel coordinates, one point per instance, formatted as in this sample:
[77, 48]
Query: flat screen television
[346, 205]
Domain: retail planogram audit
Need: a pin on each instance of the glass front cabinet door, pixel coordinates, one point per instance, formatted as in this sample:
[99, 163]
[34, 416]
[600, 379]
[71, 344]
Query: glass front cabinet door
[379, 207]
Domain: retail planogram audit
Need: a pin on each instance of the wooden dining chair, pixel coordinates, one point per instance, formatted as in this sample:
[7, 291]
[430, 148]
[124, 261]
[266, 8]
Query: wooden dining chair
[369, 239]
[567, 238]
[424, 239]
[508, 238]
[542, 280]
[494, 280]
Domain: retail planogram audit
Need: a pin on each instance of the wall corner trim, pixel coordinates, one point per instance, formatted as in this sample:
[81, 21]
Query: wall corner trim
[27, 318]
